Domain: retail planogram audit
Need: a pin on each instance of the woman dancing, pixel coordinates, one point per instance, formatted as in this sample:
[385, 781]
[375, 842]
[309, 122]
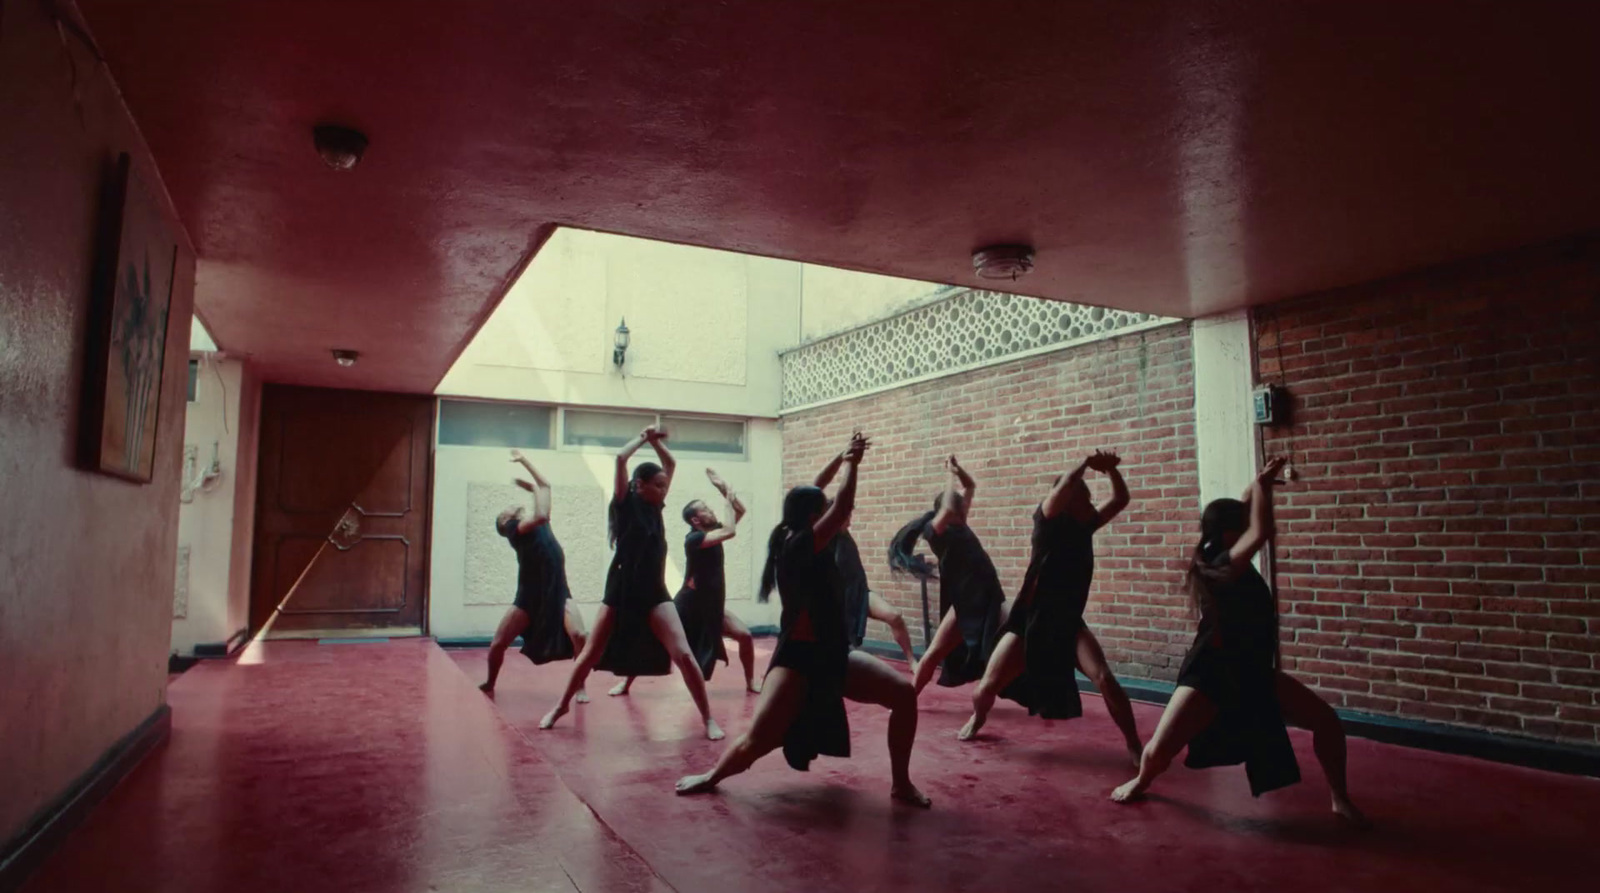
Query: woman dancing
[637, 632]
[860, 602]
[970, 597]
[1044, 638]
[701, 602]
[543, 613]
[1232, 700]
[813, 669]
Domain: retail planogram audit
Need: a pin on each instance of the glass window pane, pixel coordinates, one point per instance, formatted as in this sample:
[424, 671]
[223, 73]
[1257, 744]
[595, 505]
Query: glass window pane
[705, 435]
[584, 427]
[471, 423]
[194, 379]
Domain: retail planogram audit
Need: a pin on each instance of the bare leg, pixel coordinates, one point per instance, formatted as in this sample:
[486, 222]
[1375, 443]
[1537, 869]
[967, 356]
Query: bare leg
[734, 628]
[871, 681]
[1092, 661]
[573, 620]
[945, 640]
[511, 626]
[1302, 707]
[880, 609]
[780, 703]
[604, 623]
[668, 628]
[1005, 665]
[621, 688]
[1187, 714]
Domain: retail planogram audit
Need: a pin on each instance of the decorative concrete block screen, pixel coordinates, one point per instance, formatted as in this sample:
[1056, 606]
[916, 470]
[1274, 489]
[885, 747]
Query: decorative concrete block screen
[965, 331]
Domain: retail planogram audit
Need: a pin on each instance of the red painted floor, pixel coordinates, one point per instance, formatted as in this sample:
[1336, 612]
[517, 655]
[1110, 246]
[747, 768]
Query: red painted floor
[380, 767]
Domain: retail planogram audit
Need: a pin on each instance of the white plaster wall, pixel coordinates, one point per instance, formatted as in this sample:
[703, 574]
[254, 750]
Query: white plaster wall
[834, 300]
[1225, 430]
[206, 525]
[706, 329]
[473, 571]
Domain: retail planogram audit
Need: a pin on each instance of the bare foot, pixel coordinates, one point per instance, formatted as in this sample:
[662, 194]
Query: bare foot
[907, 793]
[970, 730]
[696, 784]
[753, 688]
[1344, 809]
[621, 688]
[550, 718]
[713, 731]
[487, 688]
[1128, 792]
[582, 697]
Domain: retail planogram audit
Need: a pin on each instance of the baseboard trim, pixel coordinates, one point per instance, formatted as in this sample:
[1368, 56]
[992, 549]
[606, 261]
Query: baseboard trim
[25, 852]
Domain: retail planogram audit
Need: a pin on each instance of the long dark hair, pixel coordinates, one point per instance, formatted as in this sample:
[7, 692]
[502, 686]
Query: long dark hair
[799, 507]
[1220, 518]
[903, 545]
[644, 471]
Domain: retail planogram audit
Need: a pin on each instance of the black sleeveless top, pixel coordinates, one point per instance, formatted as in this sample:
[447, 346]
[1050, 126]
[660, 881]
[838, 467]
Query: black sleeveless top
[703, 566]
[637, 578]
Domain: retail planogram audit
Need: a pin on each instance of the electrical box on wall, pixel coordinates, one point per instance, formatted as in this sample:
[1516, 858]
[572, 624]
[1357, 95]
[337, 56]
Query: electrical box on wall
[1271, 405]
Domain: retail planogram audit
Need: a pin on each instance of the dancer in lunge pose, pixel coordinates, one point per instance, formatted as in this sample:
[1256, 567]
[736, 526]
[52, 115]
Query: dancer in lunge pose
[970, 597]
[860, 602]
[637, 632]
[1044, 638]
[543, 613]
[813, 669]
[1232, 700]
[701, 602]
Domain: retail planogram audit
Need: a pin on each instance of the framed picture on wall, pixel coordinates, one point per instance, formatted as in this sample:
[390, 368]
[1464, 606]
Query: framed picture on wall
[129, 312]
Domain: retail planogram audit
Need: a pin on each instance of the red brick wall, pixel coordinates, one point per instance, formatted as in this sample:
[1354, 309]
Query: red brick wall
[1440, 556]
[1016, 426]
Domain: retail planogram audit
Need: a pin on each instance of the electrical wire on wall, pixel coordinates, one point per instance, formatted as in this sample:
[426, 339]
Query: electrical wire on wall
[1270, 553]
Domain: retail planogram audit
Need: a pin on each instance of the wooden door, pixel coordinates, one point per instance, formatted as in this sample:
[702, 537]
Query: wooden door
[341, 538]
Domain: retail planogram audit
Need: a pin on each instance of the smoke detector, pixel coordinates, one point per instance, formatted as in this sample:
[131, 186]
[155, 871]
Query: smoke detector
[341, 148]
[346, 358]
[1003, 261]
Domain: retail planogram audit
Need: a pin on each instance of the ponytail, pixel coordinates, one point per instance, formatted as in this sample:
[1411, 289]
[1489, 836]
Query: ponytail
[769, 573]
[902, 548]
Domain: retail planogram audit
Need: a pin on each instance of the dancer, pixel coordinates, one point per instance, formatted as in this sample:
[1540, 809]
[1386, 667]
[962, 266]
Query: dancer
[637, 632]
[1232, 700]
[970, 597]
[701, 602]
[1044, 639]
[860, 602]
[543, 612]
[813, 669]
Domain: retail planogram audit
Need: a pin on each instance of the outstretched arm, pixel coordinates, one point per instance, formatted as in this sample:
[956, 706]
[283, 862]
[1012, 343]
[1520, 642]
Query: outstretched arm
[540, 513]
[1119, 487]
[948, 513]
[825, 477]
[1258, 497]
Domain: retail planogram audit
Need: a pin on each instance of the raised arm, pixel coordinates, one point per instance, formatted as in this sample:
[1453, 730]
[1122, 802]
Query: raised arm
[825, 476]
[1258, 498]
[844, 502]
[620, 486]
[541, 507]
[948, 512]
[1056, 500]
[1107, 464]
[723, 534]
[658, 440]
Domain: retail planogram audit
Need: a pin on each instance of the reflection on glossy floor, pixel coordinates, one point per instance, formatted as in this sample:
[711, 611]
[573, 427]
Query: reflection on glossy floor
[380, 767]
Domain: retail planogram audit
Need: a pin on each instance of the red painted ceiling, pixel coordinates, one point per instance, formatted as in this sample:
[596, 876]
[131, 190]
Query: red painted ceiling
[1179, 158]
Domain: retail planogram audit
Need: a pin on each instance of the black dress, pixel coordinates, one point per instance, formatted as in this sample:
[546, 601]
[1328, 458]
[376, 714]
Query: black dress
[1233, 662]
[813, 642]
[857, 592]
[541, 592]
[1048, 614]
[635, 584]
[701, 606]
[970, 586]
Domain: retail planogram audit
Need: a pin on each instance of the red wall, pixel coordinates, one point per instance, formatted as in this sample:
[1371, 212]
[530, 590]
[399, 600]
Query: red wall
[1016, 426]
[1441, 557]
[86, 561]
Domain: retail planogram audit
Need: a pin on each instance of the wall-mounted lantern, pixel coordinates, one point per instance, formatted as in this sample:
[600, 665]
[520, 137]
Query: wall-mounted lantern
[619, 351]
